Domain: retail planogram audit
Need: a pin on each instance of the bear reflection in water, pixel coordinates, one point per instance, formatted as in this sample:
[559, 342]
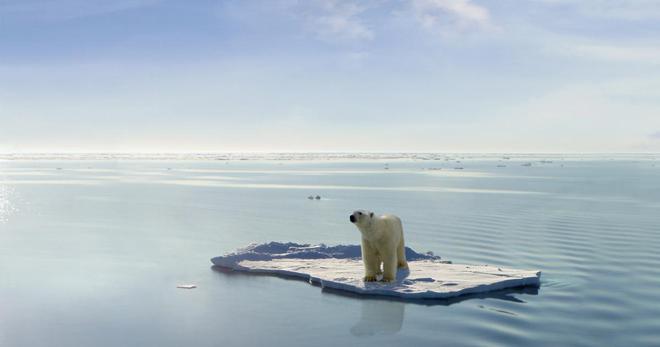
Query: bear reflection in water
[379, 317]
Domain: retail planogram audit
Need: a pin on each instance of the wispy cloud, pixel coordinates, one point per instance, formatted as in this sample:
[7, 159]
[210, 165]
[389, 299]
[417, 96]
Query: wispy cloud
[461, 14]
[337, 20]
[355, 21]
[345, 19]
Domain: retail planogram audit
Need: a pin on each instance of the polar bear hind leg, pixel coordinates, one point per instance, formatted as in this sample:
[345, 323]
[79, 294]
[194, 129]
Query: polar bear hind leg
[401, 256]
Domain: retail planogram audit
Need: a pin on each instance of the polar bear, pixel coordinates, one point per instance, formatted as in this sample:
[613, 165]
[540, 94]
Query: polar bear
[382, 242]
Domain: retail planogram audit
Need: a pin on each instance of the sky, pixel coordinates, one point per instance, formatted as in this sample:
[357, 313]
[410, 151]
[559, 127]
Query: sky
[330, 75]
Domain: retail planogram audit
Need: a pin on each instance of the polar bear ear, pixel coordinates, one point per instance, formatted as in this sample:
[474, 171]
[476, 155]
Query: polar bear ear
[371, 215]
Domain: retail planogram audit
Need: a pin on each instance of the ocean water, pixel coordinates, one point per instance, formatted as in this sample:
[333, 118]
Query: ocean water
[92, 249]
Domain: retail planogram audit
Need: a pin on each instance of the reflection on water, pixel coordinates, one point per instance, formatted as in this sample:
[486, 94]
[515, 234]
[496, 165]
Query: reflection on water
[220, 184]
[379, 317]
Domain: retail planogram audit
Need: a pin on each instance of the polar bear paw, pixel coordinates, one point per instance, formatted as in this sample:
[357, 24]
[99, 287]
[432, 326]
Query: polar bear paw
[387, 279]
[370, 278]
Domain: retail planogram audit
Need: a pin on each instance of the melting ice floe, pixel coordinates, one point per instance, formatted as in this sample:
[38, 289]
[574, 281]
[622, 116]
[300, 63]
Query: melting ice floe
[340, 267]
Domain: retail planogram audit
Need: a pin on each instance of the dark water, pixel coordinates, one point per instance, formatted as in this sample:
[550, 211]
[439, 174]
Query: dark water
[90, 255]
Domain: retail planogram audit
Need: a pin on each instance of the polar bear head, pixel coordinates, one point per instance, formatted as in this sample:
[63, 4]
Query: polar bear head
[361, 218]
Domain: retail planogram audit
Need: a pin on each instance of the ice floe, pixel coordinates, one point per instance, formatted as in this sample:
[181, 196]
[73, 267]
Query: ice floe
[340, 267]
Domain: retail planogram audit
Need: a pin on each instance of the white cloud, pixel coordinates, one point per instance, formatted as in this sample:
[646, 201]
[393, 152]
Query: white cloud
[338, 20]
[347, 20]
[355, 21]
[461, 14]
[341, 20]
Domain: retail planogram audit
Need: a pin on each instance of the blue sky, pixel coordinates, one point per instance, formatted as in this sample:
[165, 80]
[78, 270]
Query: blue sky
[330, 75]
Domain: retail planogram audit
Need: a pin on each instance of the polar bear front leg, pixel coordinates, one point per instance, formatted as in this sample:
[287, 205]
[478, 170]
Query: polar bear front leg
[389, 267]
[371, 262]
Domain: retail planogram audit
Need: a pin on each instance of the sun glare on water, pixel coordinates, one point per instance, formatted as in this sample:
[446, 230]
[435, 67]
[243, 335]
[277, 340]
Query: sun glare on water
[6, 206]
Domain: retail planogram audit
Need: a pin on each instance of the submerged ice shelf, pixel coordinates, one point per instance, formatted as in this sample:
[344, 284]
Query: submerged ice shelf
[340, 267]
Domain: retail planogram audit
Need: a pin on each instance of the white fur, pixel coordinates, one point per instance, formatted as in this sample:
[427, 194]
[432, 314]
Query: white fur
[382, 242]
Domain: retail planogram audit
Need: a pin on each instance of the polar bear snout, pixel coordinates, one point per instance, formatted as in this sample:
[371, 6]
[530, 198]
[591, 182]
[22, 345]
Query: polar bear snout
[360, 217]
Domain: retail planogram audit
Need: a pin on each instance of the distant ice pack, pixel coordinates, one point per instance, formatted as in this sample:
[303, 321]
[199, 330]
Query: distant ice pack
[340, 267]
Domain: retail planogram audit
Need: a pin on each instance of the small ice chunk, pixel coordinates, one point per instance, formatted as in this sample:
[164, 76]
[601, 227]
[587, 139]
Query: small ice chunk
[186, 286]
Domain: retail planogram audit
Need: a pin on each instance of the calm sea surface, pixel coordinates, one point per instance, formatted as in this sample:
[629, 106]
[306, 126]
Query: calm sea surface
[91, 251]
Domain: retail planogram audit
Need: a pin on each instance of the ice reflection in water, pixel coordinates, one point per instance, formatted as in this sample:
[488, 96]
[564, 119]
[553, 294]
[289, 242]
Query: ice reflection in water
[379, 317]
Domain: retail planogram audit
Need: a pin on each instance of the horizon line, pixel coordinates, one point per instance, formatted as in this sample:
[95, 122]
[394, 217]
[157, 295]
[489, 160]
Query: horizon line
[304, 152]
